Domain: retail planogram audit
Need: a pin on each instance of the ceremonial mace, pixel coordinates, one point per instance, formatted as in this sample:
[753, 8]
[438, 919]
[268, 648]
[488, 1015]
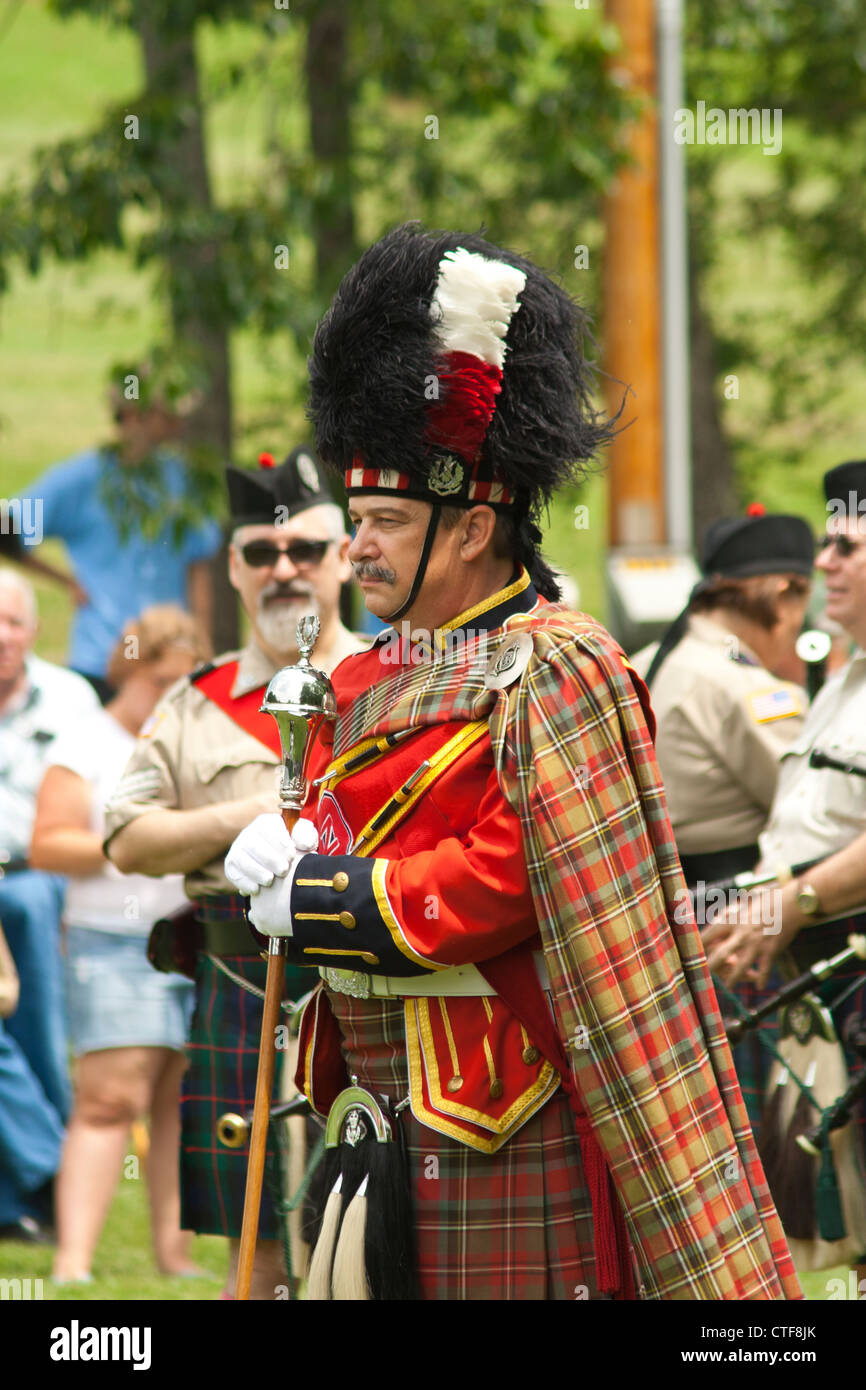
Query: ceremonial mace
[300, 698]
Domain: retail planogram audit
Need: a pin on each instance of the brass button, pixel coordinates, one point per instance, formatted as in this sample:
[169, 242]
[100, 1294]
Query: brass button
[454, 1084]
[531, 1056]
[496, 1089]
[340, 882]
[347, 920]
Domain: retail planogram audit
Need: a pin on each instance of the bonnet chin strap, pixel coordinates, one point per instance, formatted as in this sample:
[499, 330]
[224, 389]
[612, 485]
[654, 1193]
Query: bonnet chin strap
[422, 566]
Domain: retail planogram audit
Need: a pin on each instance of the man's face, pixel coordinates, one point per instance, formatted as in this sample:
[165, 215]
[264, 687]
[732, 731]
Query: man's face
[386, 550]
[278, 593]
[143, 429]
[17, 633]
[386, 547]
[846, 575]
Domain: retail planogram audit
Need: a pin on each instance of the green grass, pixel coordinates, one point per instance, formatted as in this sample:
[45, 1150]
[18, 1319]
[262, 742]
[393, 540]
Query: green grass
[123, 1268]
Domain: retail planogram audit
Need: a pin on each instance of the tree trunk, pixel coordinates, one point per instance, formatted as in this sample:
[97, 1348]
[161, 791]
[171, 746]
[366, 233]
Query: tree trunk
[713, 489]
[199, 328]
[329, 97]
[330, 93]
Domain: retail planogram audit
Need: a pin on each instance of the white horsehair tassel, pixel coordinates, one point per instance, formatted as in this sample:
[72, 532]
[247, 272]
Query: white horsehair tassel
[319, 1277]
[350, 1266]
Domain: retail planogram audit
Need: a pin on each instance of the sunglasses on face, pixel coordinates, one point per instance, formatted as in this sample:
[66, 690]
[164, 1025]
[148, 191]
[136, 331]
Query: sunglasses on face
[262, 554]
[842, 544]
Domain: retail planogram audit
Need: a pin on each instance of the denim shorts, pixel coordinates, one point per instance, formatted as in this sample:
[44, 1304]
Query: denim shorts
[115, 998]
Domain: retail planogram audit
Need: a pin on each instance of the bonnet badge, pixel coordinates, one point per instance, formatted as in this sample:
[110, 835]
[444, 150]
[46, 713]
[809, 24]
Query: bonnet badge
[446, 476]
[307, 472]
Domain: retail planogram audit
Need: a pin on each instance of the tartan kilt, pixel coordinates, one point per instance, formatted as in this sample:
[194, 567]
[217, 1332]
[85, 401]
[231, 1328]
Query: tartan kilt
[224, 1053]
[516, 1224]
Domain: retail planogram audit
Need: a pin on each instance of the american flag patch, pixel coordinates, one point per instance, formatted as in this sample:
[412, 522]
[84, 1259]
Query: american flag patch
[766, 705]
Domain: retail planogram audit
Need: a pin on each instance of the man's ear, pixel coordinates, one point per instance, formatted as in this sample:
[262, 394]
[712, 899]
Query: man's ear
[344, 568]
[234, 571]
[478, 526]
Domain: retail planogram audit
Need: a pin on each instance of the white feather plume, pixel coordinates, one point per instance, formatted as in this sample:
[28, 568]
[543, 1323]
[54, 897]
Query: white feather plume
[473, 304]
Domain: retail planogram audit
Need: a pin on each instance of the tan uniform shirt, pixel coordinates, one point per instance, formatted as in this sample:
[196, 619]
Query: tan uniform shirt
[818, 811]
[723, 724]
[191, 754]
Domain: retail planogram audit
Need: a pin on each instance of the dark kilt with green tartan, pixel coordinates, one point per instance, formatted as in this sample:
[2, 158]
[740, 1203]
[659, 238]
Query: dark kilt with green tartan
[224, 1053]
[752, 1058]
[516, 1224]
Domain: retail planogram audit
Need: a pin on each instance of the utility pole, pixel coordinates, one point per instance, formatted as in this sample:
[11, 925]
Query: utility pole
[650, 567]
[632, 299]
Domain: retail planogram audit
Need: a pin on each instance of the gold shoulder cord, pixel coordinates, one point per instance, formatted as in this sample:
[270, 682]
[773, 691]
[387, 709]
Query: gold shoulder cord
[400, 804]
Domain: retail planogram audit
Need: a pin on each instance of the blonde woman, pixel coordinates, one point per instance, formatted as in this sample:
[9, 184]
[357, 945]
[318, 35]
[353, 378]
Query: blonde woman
[127, 1023]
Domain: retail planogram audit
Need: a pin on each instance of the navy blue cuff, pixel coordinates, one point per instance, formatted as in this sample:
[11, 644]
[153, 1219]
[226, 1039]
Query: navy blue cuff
[341, 917]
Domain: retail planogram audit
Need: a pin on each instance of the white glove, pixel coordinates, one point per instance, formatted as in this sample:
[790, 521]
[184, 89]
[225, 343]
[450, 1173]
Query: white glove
[265, 850]
[270, 911]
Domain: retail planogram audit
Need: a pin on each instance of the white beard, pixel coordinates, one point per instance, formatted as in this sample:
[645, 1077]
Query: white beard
[279, 624]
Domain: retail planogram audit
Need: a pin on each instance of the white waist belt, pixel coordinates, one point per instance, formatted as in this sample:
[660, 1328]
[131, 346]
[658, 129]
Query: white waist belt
[458, 980]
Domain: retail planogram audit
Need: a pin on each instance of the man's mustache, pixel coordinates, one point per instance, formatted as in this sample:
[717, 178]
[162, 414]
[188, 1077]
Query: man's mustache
[367, 570]
[289, 591]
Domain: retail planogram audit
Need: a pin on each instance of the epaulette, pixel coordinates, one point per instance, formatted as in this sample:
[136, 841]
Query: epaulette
[207, 666]
[368, 638]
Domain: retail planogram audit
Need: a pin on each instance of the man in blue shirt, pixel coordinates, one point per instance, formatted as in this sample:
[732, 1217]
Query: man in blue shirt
[117, 570]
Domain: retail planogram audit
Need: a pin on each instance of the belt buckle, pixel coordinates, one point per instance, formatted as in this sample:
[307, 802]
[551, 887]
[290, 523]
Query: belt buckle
[356, 983]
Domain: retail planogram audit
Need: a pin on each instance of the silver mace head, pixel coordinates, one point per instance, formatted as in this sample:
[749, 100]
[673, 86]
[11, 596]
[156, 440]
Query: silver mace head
[300, 698]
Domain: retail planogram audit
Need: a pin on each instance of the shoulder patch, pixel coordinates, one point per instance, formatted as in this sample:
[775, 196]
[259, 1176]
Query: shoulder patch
[151, 724]
[767, 705]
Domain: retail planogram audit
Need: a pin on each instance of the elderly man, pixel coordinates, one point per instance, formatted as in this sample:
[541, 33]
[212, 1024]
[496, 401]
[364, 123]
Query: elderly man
[37, 702]
[206, 763]
[494, 912]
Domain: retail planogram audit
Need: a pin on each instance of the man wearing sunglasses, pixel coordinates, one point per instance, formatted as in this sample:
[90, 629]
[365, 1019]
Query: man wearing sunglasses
[206, 764]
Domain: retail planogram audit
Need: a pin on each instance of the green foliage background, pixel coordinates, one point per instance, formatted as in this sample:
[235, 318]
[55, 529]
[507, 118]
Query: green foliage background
[526, 143]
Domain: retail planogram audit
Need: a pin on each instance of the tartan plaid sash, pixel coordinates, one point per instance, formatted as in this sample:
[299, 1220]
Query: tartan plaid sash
[634, 1002]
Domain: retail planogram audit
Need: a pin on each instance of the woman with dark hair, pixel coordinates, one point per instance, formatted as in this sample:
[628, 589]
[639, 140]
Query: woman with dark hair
[128, 1024]
[725, 719]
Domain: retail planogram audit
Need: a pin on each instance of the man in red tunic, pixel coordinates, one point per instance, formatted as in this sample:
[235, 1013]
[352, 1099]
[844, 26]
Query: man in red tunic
[492, 903]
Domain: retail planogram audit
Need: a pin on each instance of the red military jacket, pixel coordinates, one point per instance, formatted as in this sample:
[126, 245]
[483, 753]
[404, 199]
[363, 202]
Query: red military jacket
[421, 868]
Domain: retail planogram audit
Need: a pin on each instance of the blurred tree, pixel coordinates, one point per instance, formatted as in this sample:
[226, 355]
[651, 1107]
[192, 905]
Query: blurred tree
[462, 114]
[808, 62]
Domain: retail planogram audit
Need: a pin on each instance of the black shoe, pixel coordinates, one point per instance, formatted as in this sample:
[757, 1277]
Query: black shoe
[28, 1231]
